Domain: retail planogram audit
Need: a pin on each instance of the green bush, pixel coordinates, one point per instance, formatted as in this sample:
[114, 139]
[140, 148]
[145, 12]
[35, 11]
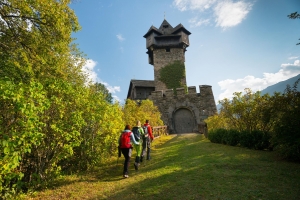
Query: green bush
[255, 140]
[232, 137]
[246, 139]
[216, 136]
[261, 140]
[21, 106]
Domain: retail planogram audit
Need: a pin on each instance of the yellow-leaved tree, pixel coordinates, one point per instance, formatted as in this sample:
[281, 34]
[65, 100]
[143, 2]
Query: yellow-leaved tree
[142, 111]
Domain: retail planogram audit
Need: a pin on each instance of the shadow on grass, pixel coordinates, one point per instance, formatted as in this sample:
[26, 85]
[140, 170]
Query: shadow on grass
[188, 166]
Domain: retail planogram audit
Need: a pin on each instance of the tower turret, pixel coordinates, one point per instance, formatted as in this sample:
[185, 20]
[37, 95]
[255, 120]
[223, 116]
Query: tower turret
[166, 46]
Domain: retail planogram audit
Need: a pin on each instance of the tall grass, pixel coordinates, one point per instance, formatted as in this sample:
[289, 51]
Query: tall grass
[186, 166]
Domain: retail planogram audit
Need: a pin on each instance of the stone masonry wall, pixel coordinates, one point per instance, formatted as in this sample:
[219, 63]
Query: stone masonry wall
[201, 105]
[162, 58]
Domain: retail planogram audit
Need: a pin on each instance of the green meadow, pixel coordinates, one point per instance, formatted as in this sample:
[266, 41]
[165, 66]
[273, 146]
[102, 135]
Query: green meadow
[185, 166]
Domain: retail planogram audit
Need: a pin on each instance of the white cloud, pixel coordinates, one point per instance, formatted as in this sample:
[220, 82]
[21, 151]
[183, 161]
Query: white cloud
[226, 12]
[198, 22]
[111, 89]
[88, 69]
[230, 86]
[116, 98]
[92, 76]
[184, 5]
[229, 14]
[120, 37]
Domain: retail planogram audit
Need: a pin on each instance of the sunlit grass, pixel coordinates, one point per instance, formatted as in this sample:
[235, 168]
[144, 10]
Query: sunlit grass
[186, 167]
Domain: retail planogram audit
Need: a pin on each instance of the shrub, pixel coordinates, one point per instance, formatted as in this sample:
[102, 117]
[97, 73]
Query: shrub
[246, 139]
[216, 135]
[232, 137]
[255, 140]
[261, 140]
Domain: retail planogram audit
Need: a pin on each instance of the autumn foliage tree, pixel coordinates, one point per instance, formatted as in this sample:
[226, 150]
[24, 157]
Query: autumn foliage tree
[141, 111]
[246, 111]
[51, 120]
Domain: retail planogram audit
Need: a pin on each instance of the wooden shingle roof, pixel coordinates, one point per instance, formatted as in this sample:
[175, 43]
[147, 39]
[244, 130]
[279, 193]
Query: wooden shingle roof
[139, 83]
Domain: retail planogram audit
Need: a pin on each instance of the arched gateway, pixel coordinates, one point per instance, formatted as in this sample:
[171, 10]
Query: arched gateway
[184, 121]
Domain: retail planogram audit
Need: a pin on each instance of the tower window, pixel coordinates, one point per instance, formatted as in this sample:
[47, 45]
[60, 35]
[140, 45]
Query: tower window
[165, 26]
[167, 49]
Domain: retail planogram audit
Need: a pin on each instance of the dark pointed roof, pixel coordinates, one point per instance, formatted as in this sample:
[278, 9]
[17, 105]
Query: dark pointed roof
[151, 29]
[180, 27]
[166, 29]
[165, 22]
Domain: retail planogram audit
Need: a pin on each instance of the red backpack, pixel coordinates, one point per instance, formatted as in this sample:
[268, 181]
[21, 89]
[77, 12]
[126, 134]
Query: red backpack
[125, 140]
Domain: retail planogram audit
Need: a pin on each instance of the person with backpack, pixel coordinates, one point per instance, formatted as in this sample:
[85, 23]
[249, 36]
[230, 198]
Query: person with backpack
[125, 140]
[147, 139]
[138, 133]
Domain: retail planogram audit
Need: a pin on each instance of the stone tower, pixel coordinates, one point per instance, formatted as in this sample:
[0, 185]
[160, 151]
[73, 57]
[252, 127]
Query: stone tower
[165, 46]
[183, 110]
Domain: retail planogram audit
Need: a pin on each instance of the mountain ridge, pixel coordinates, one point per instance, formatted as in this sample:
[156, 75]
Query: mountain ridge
[281, 86]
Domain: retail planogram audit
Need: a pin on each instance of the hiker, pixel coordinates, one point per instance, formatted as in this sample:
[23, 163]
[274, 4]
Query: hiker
[125, 140]
[138, 134]
[147, 139]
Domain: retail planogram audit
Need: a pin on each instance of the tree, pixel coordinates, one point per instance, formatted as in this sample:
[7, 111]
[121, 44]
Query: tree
[141, 111]
[247, 112]
[21, 106]
[99, 133]
[286, 109]
[35, 40]
[217, 121]
[99, 87]
[294, 15]
[40, 76]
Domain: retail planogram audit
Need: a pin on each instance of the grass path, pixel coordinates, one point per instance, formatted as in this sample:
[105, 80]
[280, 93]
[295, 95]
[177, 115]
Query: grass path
[187, 166]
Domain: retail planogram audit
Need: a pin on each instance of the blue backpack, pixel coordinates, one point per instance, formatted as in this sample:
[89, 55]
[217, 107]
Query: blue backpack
[136, 133]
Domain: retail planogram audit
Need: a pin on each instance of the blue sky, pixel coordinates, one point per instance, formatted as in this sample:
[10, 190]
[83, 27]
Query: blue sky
[233, 45]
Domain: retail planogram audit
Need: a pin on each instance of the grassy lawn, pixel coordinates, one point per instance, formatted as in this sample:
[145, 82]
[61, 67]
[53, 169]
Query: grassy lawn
[186, 166]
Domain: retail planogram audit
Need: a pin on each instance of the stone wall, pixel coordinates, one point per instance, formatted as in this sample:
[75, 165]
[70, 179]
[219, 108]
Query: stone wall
[161, 58]
[186, 111]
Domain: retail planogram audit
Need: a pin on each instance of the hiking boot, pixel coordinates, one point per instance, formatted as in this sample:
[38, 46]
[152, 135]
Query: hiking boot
[126, 176]
[136, 166]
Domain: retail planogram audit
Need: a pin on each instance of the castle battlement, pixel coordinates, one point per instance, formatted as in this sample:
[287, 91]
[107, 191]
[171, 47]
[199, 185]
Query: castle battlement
[186, 104]
[205, 90]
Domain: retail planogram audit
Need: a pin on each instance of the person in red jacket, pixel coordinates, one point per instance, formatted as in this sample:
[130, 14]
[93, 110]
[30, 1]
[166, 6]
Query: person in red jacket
[147, 139]
[125, 143]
